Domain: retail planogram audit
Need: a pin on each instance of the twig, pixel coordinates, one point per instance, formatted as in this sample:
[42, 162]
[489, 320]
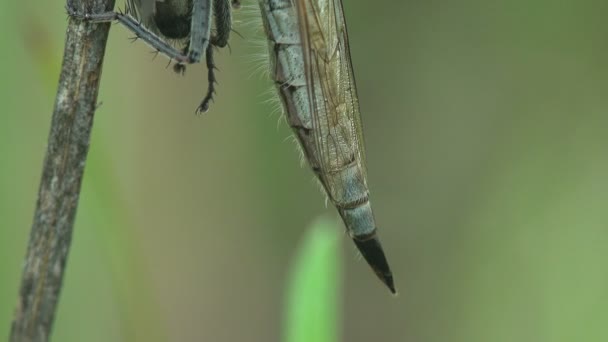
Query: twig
[62, 172]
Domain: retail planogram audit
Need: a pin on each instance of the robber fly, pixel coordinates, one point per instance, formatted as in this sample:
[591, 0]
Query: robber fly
[312, 70]
[178, 29]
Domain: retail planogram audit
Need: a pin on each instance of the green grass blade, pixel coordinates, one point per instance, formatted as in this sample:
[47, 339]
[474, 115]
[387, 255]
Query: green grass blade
[313, 298]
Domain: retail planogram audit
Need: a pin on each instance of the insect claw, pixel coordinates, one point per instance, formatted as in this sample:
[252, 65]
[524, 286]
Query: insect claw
[179, 68]
[202, 108]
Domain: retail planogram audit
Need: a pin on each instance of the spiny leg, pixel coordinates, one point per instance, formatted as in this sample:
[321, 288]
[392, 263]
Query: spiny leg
[136, 27]
[223, 22]
[211, 81]
[200, 29]
[199, 32]
[180, 68]
[199, 37]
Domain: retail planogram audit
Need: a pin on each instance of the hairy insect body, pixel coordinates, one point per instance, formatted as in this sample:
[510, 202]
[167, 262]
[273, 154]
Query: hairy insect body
[316, 87]
[178, 29]
[173, 18]
[287, 70]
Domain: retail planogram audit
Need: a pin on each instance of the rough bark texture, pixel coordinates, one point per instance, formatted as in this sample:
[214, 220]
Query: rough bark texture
[62, 172]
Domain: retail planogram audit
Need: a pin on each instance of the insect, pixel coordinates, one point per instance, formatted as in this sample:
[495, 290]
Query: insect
[178, 29]
[312, 70]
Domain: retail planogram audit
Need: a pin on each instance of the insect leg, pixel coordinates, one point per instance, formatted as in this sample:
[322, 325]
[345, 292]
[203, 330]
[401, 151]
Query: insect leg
[211, 81]
[223, 22]
[134, 26]
[223, 25]
[200, 29]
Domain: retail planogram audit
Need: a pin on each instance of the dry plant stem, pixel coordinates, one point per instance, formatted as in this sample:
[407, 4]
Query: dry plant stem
[62, 172]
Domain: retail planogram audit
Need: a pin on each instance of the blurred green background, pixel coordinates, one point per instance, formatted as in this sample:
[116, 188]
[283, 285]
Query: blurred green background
[486, 136]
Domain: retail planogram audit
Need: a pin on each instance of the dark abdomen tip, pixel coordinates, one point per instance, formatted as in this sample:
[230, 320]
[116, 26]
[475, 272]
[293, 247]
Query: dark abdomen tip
[372, 252]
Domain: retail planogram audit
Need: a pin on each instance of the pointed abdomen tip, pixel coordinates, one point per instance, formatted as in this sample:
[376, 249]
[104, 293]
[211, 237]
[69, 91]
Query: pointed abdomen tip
[372, 252]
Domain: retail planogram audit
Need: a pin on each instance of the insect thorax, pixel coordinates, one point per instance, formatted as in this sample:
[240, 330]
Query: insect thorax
[173, 18]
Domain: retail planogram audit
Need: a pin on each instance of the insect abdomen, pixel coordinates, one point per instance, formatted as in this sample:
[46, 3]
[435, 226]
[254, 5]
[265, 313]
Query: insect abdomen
[286, 69]
[348, 192]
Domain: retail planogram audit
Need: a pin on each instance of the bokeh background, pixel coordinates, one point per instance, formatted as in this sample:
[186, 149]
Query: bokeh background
[486, 136]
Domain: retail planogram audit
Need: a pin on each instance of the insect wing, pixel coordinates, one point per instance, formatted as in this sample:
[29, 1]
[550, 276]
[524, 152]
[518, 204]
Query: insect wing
[143, 11]
[337, 131]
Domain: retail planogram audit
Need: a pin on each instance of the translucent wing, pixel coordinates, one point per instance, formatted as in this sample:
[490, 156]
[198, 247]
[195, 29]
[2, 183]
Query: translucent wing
[338, 136]
[143, 10]
[314, 76]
